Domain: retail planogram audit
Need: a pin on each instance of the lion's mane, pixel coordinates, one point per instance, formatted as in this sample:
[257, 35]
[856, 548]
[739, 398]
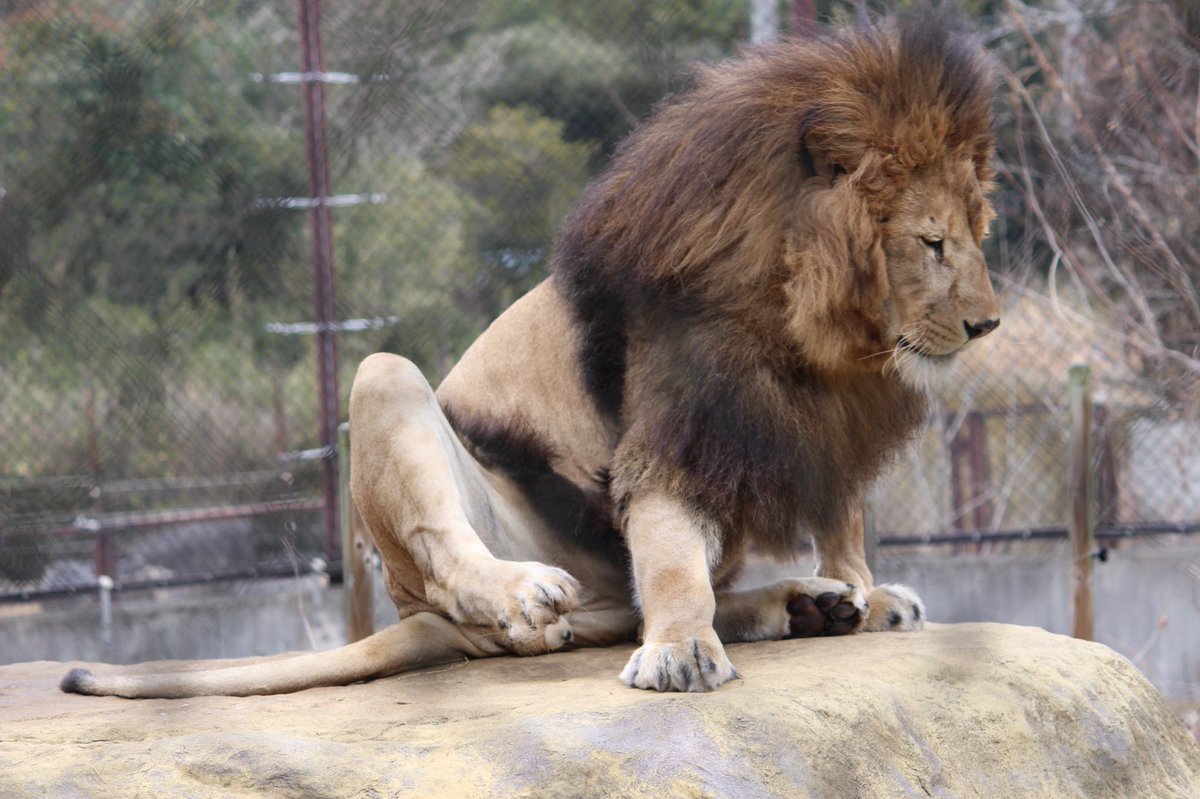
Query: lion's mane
[728, 262]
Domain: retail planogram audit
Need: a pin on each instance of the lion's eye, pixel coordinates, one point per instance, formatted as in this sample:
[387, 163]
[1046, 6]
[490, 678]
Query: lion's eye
[934, 244]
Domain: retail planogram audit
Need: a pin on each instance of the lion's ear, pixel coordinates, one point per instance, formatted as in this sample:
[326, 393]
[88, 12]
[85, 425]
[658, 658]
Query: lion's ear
[815, 159]
[815, 164]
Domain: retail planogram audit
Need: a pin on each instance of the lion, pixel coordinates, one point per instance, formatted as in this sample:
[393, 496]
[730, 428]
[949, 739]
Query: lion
[744, 318]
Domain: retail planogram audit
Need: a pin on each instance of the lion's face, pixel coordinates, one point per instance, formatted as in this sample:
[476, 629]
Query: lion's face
[940, 295]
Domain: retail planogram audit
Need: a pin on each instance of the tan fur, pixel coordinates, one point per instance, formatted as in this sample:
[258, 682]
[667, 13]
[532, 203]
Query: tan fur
[746, 313]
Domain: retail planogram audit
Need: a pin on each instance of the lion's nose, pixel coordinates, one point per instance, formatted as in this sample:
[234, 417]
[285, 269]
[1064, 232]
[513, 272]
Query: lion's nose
[981, 329]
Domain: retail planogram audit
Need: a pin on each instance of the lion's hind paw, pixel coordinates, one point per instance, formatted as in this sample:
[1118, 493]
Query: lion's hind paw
[525, 639]
[895, 608]
[526, 602]
[838, 610]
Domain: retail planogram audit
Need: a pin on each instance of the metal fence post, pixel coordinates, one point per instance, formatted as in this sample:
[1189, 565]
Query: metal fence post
[358, 553]
[105, 584]
[105, 558]
[1081, 525]
[317, 145]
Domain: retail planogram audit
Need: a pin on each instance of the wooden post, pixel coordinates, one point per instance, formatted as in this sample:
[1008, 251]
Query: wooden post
[981, 470]
[1081, 490]
[1108, 490]
[358, 553]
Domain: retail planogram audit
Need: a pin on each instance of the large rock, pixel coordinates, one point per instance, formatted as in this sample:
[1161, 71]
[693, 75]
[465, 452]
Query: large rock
[979, 710]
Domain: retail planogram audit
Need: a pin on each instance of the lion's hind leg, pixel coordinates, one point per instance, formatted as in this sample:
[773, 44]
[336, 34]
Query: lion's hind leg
[427, 503]
[794, 608]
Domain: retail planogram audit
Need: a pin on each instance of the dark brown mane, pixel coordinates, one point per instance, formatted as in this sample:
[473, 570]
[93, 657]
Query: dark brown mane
[744, 217]
[758, 449]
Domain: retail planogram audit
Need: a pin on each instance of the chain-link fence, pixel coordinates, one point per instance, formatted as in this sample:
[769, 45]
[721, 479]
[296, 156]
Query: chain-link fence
[993, 465]
[160, 409]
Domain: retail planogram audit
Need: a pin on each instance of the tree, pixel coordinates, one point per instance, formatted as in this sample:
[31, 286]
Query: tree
[522, 178]
[1102, 150]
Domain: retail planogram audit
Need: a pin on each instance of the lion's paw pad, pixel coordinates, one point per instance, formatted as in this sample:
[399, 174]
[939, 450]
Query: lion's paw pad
[895, 608]
[690, 665]
[833, 612]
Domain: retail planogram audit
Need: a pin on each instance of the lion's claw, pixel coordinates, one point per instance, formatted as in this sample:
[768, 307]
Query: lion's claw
[694, 664]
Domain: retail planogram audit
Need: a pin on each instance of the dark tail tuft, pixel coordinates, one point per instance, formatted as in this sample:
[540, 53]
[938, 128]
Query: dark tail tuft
[77, 681]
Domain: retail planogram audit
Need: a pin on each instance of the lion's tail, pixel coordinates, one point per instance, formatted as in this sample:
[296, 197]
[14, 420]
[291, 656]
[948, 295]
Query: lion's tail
[423, 639]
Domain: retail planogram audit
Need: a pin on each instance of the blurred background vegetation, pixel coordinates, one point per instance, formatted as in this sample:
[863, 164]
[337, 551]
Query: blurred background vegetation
[140, 149]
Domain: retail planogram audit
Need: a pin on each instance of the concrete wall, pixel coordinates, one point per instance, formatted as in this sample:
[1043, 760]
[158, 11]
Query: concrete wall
[1147, 600]
[216, 621]
[1135, 591]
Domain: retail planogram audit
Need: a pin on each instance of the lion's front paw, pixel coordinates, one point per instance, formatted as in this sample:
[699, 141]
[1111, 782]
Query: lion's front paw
[694, 664]
[895, 608]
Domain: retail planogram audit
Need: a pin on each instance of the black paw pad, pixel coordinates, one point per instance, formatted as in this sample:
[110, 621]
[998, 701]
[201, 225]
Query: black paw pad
[828, 614]
[806, 619]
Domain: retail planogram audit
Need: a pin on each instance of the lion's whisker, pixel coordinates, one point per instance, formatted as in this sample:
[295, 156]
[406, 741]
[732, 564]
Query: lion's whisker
[877, 354]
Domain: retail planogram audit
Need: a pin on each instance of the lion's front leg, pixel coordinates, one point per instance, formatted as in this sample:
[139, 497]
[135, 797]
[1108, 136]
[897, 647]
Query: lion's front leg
[673, 552]
[841, 556]
[796, 608]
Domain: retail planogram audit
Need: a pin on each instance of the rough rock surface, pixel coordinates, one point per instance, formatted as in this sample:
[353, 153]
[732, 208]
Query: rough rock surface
[978, 710]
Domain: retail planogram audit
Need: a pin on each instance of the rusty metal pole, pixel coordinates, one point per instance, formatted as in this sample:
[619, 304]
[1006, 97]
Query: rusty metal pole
[317, 146]
[105, 560]
[804, 18]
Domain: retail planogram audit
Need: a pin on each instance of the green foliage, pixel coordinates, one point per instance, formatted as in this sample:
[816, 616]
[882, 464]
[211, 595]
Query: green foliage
[405, 260]
[139, 156]
[522, 178]
[674, 23]
[142, 262]
[592, 87]
[22, 560]
[723, 23]
[599, 85]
